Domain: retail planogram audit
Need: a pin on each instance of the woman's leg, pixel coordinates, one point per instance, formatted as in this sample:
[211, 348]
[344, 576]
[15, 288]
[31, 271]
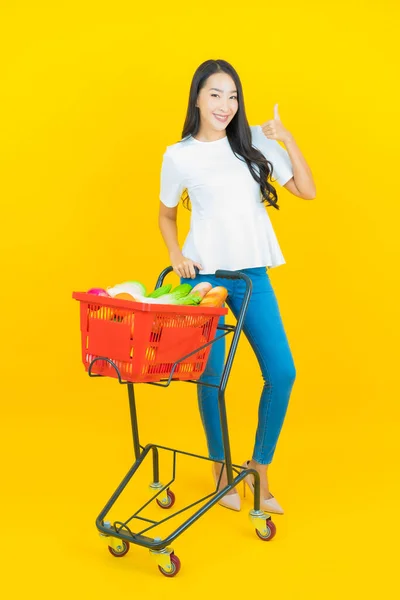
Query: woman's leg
[208, 397]
[264, 329]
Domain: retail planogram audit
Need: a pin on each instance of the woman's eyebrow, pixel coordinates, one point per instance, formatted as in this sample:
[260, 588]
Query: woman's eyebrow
[222, 91]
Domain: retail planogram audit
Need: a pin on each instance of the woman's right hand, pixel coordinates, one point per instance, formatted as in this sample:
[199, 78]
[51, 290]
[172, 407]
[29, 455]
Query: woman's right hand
[184, 267]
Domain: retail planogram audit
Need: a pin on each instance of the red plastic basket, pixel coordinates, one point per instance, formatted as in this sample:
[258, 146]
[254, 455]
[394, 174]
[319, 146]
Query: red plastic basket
[145, 340]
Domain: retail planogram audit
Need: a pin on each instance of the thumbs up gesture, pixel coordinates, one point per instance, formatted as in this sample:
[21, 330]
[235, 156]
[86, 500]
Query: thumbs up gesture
[274, 129]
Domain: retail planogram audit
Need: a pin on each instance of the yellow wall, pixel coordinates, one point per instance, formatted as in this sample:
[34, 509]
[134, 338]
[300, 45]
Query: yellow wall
[90, 98]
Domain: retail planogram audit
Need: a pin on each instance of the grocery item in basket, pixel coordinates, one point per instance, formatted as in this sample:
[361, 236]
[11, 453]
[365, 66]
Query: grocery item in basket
[122, 314]
[200, 290]
[98, 292]
[134, 288]
[215, 297]
[179, 296]
[202, 294]
[164, 289]
[125, 296]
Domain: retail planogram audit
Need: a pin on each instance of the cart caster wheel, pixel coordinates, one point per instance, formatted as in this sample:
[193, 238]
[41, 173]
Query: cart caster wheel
[169, 500]
[268, 533]
[124, 549]
[176, 566]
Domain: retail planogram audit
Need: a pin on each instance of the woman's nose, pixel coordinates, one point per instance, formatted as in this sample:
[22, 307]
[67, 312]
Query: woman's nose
[224, 106]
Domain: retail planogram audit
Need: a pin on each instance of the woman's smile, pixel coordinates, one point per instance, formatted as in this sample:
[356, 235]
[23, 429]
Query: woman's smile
[221, 118]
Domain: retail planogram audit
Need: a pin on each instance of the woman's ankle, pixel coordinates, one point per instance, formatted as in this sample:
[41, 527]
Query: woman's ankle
[217, 466]
[262, 470]
[253, 464]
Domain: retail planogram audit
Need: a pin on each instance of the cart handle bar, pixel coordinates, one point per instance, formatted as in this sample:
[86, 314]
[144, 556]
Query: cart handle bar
[221, 273]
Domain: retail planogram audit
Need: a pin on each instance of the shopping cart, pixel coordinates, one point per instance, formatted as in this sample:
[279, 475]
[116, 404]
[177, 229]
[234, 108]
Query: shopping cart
[157, 344]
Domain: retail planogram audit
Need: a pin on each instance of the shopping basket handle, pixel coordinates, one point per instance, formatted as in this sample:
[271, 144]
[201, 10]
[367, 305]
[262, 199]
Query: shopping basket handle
[162, 276]
[164, 273]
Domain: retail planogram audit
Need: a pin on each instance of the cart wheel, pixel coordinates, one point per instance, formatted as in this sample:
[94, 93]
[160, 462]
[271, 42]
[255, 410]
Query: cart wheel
[176, 566]
[171, 500]
[271, 531]
[122, 552]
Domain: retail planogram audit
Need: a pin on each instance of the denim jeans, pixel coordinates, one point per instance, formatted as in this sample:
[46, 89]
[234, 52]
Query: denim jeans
[264, 330]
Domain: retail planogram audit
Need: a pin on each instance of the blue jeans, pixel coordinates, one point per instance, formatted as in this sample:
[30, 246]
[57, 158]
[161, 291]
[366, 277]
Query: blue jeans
[264, 330]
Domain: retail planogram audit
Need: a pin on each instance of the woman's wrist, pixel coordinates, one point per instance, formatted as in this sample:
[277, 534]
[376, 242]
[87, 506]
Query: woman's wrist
[176, 253]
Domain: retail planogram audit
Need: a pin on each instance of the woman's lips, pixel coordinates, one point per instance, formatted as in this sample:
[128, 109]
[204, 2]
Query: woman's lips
[220, 118]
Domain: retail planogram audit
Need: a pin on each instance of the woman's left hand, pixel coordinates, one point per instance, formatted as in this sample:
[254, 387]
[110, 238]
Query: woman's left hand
[274, 130]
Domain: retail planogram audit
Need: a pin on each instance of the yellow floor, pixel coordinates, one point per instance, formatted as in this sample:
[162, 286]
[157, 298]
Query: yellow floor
[333, 542]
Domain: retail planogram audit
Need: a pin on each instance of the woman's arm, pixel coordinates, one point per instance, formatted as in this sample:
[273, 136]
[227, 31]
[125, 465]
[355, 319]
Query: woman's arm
[302, 183]
[168, 227]
[184, 267]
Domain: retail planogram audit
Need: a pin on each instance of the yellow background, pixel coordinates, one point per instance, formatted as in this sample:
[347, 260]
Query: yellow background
[90, 98]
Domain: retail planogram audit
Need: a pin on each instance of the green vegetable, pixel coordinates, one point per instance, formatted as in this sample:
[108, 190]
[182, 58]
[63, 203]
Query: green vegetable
[181, 290]
[190, 300]
[164, 289]
[179, 295]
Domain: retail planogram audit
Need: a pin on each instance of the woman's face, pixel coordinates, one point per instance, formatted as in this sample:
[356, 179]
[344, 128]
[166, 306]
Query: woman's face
[218, 98]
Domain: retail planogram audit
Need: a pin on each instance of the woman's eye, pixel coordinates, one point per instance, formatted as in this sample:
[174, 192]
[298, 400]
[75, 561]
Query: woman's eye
[235, 97]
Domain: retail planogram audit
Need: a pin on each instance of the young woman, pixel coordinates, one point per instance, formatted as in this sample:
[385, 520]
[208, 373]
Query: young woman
[223, 165]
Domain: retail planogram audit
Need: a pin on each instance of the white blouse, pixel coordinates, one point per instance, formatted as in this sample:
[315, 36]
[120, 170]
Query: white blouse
[230, 227]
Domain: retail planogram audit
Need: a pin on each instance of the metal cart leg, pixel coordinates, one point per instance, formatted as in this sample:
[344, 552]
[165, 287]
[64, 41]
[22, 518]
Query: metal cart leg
[155, 465]
[225, 435]
[166, 497]
[135, 432]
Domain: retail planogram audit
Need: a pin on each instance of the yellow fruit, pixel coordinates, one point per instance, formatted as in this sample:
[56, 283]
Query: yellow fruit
[125, 296]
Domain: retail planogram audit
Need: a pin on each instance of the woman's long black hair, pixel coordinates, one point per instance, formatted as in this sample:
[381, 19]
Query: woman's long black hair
[238, 130]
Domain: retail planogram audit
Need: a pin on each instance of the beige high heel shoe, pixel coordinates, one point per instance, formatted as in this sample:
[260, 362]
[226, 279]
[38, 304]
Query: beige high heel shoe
[267, 504]
[231, 501]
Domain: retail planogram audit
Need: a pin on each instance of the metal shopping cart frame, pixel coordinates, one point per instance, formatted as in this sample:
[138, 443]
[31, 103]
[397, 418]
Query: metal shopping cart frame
[119, 535]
